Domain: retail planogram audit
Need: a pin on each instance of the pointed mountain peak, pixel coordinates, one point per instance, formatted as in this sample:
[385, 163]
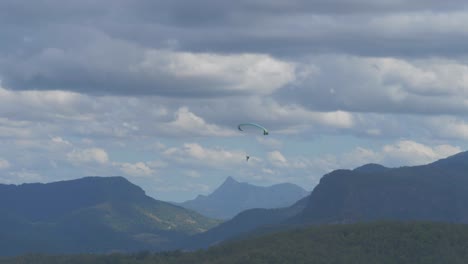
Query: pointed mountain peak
[228, 185]
[230, 180]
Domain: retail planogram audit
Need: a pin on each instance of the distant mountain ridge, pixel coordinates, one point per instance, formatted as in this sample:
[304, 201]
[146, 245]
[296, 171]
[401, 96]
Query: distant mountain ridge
[92, 214]
[233, 197]
[39, 201]
[243, 223]
[434, 192]
[106, 214]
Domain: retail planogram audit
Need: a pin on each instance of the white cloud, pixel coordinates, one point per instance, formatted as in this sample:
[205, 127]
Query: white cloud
[401, 24]
[164, 83]
[60, 141]
[39, 98]
[384, 85]
[58, 145]
[157, 164]
[245, 73]
[400, 153]
[192, 174]
[268, 171]
[138, 169]
[339, 119]
[213, 157]
[359, 156]
[287, 117]
[148, 71]
[23, 176]
[449, 127]
[413, 153]
[97, 155]
[10, 128]
[426, 77]
[277, 159]
[187, 123]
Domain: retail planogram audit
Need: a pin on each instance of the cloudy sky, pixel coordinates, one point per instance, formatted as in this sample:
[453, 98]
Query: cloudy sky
[154, 90]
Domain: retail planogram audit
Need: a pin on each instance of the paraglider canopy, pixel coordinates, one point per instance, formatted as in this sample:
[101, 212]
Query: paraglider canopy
[243, 127]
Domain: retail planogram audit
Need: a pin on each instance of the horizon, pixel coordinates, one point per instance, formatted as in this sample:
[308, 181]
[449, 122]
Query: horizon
[155, 91]
[220, 184]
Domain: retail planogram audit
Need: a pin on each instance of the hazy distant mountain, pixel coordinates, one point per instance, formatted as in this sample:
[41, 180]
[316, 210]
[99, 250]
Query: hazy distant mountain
[105, 214]
[233, 197]
[435, 192]
[245, 222]
[93, 214]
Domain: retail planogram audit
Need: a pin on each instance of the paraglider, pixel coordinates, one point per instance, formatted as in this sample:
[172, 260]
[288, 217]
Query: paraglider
[256, 128]
[242, 127]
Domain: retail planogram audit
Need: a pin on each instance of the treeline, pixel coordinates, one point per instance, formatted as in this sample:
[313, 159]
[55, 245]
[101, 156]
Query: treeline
[377, 242]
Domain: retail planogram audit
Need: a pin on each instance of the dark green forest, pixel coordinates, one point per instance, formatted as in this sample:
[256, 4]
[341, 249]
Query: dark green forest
[376, 242]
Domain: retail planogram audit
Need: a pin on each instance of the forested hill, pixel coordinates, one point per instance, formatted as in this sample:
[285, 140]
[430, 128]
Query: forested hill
[363, 243]
[244, 223]
[437, 192]
[92, 214]
[433, 192]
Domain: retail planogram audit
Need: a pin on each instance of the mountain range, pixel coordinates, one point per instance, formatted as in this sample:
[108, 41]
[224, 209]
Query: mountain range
[432, 192]
[92, 214]
[107, 214]
[233, 197]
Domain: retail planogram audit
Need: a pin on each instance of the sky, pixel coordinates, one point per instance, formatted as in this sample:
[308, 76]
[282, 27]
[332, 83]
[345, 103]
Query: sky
[154, 90]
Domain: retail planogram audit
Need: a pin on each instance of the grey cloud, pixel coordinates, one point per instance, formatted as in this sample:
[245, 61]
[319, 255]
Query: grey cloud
[93, 47]
[381, 85]
[36, 115]
[89, 47]
[240, 26]
[104, 65]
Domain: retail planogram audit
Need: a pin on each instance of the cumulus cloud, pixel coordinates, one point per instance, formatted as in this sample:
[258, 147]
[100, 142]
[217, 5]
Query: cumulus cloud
[60, 141]
[42, 104]
[414, 153]
[359, 156]
[448, 127]
[322, 73]
[277, 159]
[383, 85]
[275, 115]
[24, 175]
[188, 123]
[193, 153]
[397, 154]
[400, 153]
[138, 169]
[89, 155]
[244, 73]
[192, 174]
[114, 67]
